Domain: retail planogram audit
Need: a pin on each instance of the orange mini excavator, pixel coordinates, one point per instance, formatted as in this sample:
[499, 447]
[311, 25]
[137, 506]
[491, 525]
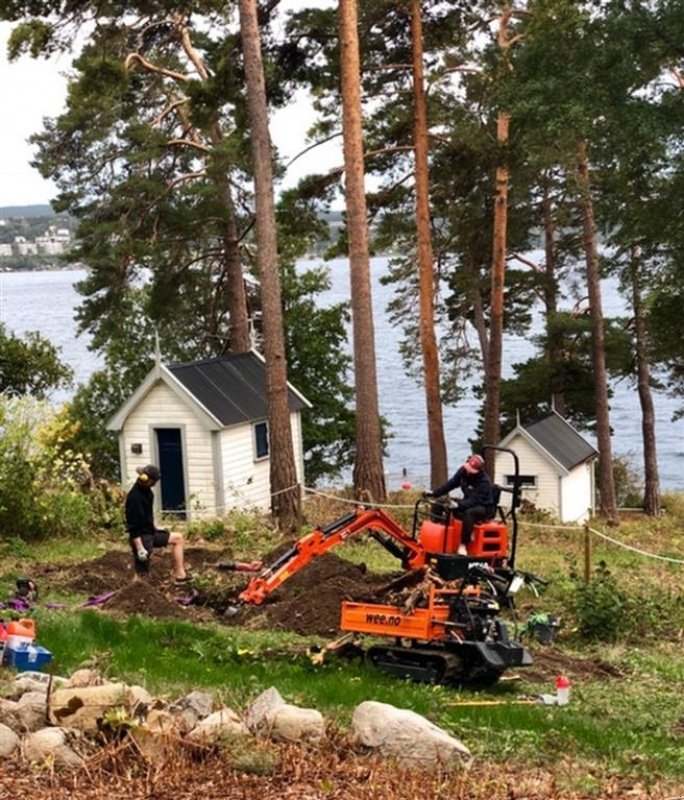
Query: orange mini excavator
[454, 633]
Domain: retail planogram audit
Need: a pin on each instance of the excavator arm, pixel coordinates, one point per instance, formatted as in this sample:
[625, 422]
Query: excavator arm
[381, 526]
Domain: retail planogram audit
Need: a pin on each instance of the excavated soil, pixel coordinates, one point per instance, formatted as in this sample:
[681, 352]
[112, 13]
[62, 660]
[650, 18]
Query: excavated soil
[307, 604]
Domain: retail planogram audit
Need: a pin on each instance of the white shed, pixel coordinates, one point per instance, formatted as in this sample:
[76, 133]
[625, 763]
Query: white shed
[556, 467]
[205, 425]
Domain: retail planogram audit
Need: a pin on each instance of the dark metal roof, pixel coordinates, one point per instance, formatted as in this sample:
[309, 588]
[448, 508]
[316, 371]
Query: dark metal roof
[561, 441]
[232, 388]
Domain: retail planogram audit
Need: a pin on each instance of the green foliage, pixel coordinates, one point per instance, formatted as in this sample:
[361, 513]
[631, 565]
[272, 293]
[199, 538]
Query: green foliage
[602, 609]
[208, 530]
[30, 366]
[46, 487]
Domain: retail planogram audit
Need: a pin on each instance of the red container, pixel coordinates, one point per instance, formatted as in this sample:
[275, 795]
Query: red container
[22, 627]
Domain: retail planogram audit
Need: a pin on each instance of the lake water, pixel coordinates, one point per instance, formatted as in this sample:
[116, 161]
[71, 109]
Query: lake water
[45, 302]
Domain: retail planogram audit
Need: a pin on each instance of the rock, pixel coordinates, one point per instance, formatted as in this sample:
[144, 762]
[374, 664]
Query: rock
[271, 715]
[139, 699]
[33, 682]
[29, 713]
[192, 708]
[256, 714]
[84, 708]
[85, 677]
[162, 722]
[9, 741]
[32, 710]
[53, 744]
[221, 724]
[289, 723]
[402, 734]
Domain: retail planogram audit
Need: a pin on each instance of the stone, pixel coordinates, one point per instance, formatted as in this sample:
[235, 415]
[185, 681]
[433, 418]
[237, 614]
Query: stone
[84, 708]
[53, 745]
[410, 738]
[258, 710]
[9, 741]
[222, 724]
[288, 723]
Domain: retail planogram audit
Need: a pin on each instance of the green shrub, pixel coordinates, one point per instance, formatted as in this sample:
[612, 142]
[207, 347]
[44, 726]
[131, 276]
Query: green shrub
[601, 608]
[46, 487]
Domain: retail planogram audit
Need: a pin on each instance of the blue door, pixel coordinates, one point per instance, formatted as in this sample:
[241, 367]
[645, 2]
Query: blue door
[171, 466]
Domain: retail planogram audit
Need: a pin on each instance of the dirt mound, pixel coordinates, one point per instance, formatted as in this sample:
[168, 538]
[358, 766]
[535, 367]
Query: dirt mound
[308, 603]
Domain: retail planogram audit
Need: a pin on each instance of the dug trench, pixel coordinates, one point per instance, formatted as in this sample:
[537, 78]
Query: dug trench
[307, 604]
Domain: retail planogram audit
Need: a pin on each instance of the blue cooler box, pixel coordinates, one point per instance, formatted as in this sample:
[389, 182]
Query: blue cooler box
[26, 657]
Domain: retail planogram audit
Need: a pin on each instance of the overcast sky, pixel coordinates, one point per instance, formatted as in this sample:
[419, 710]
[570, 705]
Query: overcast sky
[31, 90]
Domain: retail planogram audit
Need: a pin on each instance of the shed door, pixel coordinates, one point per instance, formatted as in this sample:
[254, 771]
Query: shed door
[171, 466]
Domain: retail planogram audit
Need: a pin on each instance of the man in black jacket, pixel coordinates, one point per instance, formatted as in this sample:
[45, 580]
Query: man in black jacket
[477, 503]
[144, 536]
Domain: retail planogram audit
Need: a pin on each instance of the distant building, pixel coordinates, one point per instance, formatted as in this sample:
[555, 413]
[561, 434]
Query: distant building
[24, 247]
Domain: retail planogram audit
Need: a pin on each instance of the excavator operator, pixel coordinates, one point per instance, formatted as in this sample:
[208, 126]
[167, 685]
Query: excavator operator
[477, 503]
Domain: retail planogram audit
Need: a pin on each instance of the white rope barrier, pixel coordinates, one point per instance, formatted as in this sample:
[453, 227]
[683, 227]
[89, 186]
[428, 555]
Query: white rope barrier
[636, 549]
[351, 501]
[607, 538]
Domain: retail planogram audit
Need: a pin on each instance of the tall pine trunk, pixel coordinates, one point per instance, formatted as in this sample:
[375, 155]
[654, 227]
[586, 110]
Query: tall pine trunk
[606, 481]
[554, 346]
[428, 338]
[281, 450]
[651, 477]
[369, 478]
[493, 363]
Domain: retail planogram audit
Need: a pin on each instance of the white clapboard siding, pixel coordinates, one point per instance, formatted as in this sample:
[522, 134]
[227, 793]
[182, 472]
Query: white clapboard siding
[576, 494]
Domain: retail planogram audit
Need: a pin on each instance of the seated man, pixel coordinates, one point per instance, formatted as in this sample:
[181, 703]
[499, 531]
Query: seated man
[477, 503]
[143, 534]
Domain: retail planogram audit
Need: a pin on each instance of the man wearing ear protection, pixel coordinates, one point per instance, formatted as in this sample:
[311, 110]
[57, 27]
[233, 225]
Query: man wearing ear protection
[477, 503]
[143, 534]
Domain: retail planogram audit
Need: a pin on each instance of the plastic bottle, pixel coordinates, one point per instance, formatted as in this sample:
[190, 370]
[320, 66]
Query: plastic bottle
[562, 690]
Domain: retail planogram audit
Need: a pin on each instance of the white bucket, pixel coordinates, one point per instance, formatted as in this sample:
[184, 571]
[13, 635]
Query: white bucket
[17, 642]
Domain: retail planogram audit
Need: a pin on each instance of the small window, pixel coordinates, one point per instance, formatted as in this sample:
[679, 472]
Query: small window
[261, 440]
[523, 480]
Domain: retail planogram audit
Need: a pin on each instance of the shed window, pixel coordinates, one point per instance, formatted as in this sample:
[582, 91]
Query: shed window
[523, 480]
[261, 440]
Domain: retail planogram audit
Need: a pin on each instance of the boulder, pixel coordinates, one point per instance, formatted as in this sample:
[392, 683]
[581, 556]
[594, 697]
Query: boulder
[85, 677]
[265, 703]
[410, 738]
[192, 708]
[9, 741]
[288, 723]
[33, 682]
[84, 708]
[223, 724]
[28, 713]
[53, 745]
[269, 714]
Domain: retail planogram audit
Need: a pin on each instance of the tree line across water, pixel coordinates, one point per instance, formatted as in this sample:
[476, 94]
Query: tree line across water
[483, 125]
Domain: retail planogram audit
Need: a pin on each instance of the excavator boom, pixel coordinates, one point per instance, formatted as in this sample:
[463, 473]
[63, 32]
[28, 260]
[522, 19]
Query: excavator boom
[374, 520]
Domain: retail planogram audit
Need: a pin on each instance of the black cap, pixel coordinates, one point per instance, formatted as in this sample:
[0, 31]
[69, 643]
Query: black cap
[148, 473]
